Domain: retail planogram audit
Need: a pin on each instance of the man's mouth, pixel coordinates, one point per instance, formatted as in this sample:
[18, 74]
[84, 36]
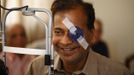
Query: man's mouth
[68, 49]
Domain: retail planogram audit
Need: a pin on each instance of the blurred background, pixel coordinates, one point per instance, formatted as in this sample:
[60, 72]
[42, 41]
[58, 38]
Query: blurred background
[117, 17]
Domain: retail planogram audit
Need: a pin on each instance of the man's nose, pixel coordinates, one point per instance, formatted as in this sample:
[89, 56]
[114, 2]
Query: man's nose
[66, 40]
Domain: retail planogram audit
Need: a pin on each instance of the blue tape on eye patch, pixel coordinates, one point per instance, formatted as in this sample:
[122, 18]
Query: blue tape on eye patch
[78, 33]
[75, 33]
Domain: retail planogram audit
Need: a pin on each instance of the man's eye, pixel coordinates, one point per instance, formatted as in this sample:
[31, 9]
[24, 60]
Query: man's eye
[57, 32]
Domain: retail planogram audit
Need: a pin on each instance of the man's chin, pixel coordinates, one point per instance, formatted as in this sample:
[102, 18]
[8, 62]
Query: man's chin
[69, 59]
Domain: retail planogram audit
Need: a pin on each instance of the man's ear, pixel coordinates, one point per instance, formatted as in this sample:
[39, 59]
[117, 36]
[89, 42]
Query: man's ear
[92, 31]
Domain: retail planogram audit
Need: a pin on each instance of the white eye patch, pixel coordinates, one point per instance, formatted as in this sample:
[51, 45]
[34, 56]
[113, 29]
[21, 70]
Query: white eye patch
[75, 33]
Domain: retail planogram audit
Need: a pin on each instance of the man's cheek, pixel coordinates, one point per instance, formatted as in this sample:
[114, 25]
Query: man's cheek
[55, 40]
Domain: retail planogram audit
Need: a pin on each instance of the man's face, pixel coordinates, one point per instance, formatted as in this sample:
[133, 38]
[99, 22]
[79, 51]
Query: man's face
[69, 50]
[17, 37]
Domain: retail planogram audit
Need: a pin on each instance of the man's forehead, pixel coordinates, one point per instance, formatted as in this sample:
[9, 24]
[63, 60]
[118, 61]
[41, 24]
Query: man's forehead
[77, 21]
[77, 13]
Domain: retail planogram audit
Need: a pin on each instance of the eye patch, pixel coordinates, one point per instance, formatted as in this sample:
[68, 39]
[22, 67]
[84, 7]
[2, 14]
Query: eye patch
[75, 33]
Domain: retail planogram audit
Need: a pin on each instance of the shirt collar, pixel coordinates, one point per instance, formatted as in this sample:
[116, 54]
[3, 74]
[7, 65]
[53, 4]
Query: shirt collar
[90, 68]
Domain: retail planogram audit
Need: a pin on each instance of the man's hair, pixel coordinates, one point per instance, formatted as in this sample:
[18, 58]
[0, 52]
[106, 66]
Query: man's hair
[64, 5]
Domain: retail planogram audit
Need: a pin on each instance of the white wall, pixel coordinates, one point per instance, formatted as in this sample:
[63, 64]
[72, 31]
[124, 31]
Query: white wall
[118, 19]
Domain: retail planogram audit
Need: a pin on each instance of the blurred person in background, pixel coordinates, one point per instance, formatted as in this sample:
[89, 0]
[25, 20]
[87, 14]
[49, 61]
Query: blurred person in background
[99, 45]
[129, 62]
[16, 37]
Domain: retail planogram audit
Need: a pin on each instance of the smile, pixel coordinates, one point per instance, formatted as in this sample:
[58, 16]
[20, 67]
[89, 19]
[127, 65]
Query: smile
[69, 49]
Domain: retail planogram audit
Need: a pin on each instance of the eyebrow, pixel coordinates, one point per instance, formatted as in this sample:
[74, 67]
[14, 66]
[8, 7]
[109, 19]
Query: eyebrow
[57, 28]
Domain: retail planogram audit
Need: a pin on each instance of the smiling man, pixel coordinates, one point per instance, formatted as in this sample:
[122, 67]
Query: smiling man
[72, 33]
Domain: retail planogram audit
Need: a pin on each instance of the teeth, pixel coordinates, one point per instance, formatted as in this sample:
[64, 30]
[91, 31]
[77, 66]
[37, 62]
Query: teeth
[67, 49]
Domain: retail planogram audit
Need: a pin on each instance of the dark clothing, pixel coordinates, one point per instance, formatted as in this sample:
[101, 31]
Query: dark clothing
[101, 48]
[3, 70]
